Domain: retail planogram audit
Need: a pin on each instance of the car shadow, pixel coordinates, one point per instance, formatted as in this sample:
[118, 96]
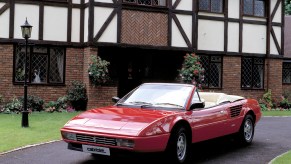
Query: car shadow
[202, 152]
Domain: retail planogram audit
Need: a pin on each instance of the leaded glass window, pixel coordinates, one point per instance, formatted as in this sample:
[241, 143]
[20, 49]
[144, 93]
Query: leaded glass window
[254, 8]
[286, 74]
[252, 73]
[45, 65]
[146, 2]
[213, 71]
[215, 6]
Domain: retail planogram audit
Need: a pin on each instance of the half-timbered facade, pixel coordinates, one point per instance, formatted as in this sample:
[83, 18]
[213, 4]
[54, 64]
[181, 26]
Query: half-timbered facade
[240, 43]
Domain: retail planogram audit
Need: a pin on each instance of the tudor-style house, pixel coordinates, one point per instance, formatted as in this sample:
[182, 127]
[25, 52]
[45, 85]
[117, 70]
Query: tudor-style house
[240, 43]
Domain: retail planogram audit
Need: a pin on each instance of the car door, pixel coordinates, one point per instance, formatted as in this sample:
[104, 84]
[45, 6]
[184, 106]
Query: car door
[209, 122]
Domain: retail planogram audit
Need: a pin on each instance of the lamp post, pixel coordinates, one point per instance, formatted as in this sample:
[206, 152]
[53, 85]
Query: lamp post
[26, 33]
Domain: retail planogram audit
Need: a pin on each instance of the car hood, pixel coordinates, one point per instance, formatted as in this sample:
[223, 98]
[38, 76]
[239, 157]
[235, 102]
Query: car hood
[117, 120]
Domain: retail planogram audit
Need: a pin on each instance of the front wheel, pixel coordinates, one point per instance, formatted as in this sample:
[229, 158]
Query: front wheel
[179, 146]
[246, 133]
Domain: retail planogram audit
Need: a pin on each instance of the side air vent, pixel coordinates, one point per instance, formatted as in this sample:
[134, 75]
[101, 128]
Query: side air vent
[235, 111]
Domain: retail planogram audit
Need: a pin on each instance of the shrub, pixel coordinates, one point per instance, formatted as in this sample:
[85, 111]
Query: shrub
[1, 99]
[62, 103]
[192, 70]
[284, 103]
[14, 106]
[98, 71]
[267, 100]
[51, 107]
[77, 95]
[34, 103]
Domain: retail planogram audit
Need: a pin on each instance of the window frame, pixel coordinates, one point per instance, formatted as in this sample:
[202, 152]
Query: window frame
[209, 65]
[252, 74]
[210, 8]
[135, 3]
[289, 69]
[253, 15]
[29, 73]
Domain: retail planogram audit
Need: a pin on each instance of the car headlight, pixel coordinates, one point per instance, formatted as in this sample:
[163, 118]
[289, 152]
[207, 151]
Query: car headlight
[69, 136]
[125, 143]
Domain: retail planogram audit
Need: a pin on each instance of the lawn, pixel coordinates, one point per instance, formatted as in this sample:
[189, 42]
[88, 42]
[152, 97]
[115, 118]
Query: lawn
[284, 159]
[277, 113]
[43, 127]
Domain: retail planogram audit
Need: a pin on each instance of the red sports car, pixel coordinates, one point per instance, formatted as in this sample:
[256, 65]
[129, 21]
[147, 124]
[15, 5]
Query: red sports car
[162, 117]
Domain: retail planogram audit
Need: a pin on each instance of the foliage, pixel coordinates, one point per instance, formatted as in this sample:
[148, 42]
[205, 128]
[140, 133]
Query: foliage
[284, 103]
[34, 103]
[62, 102]
[57, 106]
[288, 7]
[192, 70]
[15, 105]
[51, 106]
[266, 102]
[77, 95]
[1, 99]
[98, 71]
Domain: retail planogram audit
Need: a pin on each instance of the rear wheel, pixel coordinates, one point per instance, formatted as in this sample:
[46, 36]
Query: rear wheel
[246, 133]
[179, 146]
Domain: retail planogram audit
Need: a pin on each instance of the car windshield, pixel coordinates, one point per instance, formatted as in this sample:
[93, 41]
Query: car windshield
[158, 95]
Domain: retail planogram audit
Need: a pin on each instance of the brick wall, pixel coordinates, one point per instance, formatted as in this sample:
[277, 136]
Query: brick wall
[275, 80]
[97, 95]
[144, 28]
[77, 60]
[232, 79]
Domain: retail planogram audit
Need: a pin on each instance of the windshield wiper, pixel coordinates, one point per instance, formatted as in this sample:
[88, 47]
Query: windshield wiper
[171, 104]
[141, 103]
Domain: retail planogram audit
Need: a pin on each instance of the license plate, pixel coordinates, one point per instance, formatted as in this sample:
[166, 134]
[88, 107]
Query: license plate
[96, 150]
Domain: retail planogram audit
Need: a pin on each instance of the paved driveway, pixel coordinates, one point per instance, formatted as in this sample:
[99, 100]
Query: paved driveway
[272, 138]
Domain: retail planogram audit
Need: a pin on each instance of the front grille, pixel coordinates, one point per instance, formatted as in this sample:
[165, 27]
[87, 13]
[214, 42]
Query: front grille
[235, 110]
[96, 139]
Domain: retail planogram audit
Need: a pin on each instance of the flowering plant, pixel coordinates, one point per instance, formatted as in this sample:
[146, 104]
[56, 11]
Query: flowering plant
[98, 71]
[192, 70]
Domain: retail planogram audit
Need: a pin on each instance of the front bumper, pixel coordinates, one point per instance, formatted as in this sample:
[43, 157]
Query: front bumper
[155, 143]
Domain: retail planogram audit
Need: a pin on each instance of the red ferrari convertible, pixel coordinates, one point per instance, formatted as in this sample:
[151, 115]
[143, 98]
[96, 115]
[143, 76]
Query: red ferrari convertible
[162, 117]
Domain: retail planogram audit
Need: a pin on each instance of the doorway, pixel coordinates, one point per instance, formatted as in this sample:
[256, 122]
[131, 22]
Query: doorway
[130, 67]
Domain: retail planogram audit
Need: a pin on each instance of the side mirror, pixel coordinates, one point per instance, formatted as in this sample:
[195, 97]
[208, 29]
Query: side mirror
[197, 105]
[115, 99]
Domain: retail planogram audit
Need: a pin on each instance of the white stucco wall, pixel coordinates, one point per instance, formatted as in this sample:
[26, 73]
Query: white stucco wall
[110, 34]
[75, 34]
[76, 1]
[86, 21]
[273, 49]
[55, 23]
[254, 38]
[186, 23]
[100, 16]
[277, 17]
[31, 12]
[2, 4]
[104, 1]
[210, 35]
[233, 37]
[184, 5]
[4, 22]
[233, 8]
[177, 38]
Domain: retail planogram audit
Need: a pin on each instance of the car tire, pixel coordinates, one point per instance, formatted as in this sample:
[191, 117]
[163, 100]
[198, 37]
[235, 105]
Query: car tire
[247, 129]
[179, 146]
